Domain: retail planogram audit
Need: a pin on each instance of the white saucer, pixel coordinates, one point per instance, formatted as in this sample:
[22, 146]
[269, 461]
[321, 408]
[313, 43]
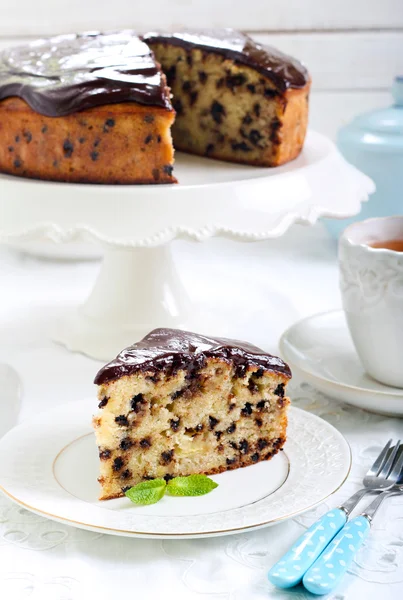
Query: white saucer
[321, 350]
[52, 467]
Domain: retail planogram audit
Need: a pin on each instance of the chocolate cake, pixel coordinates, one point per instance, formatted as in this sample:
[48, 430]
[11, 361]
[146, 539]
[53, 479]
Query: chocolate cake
[95, 107]
[235, 99]
[85, 108]
[178, 403]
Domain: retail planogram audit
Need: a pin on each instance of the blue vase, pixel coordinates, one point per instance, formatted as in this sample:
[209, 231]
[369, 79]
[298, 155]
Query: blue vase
[373, 142]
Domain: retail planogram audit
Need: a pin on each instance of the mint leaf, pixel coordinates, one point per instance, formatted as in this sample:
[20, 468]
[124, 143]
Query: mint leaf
[193, 485]
[147, 492]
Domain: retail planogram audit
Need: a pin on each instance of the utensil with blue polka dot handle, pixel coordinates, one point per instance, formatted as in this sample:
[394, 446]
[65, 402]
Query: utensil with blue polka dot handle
[290, 569]
[329, 569]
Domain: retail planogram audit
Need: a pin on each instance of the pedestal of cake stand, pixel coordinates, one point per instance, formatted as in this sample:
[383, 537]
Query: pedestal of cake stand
[138, 287]
[137, 290]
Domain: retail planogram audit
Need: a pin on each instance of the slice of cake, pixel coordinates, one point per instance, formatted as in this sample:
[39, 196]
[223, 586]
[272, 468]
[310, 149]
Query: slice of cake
[235, 99]
[89, 108]
[178, 403]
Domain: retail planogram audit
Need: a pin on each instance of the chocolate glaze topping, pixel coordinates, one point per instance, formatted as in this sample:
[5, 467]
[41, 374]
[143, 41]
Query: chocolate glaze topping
[69, 73]
[281, 69]
[173, 349]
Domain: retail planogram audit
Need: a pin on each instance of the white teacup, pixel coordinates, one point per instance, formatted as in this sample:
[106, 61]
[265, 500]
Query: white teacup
[371, 282]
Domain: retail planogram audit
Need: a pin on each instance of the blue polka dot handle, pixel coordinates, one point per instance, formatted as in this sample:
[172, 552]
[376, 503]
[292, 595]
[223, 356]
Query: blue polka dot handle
[290, 570]
[327, 572]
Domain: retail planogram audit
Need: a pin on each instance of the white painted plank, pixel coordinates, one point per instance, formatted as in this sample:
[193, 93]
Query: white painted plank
[26, 17]
[339, 61]
[331, 110]
[367, 60]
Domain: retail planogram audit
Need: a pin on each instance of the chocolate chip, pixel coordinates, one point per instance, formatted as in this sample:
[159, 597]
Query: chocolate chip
[220, 448]
[126, 474]
[220, 83]
[44, 129]
[231, 406]
[148, 478]
[68, 148]
[193, 97]
[148, 138]
[103, 402]
[189, 59]
[177, 394]
[168, 169]
[158, 139]
[255, 136]
[233, 81]
[202, 77]
[231, 461]
[218, 434]
[241, 146]
[166, 456]
[17, 163]
[126, 488]
[279, 391]
[259, 373]
[110, 122]
[212, 422]
[168, 477]
[253, 386]
[255, 457]
[171, 73]
[94, 155]
[262, 443]
[118, 463]
[243, 446]
[260, 405]
[247, 409]
[186, 85]
[175, 423]
[178, 106]
[17, 138]
[200, 427]
[259, 422]
[247, 120]
[209, 148]
[156, 174]
[104, 454]
[145, 443]
[11, 149]
[251, 88]
[234, 445]
[126, 443]
[28, 136]
[256, 109]
[81, 140]
[231, 428]
[97, 142]
[270, 93]
[149, 118]
[122, 420]
[217, 111]
[136, 401]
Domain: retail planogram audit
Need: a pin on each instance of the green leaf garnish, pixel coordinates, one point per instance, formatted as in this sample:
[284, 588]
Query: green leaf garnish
[193, 485]
[147, 492]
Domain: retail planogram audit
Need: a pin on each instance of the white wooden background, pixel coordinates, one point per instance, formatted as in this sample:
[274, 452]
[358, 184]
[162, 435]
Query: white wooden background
[353, 48]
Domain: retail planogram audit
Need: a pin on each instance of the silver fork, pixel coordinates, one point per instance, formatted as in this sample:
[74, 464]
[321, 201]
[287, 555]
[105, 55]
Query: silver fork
[382, 476]
[329, 569]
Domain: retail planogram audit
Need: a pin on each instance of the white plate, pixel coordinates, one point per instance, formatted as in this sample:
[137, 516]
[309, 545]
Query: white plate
[321, 350]
[52, 466]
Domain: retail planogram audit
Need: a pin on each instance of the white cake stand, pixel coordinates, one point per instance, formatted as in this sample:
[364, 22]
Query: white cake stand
[138, 287]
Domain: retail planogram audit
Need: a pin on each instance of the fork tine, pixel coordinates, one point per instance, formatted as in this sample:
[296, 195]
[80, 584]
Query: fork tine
[387, 467]
[380, 461]
[396, 471]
